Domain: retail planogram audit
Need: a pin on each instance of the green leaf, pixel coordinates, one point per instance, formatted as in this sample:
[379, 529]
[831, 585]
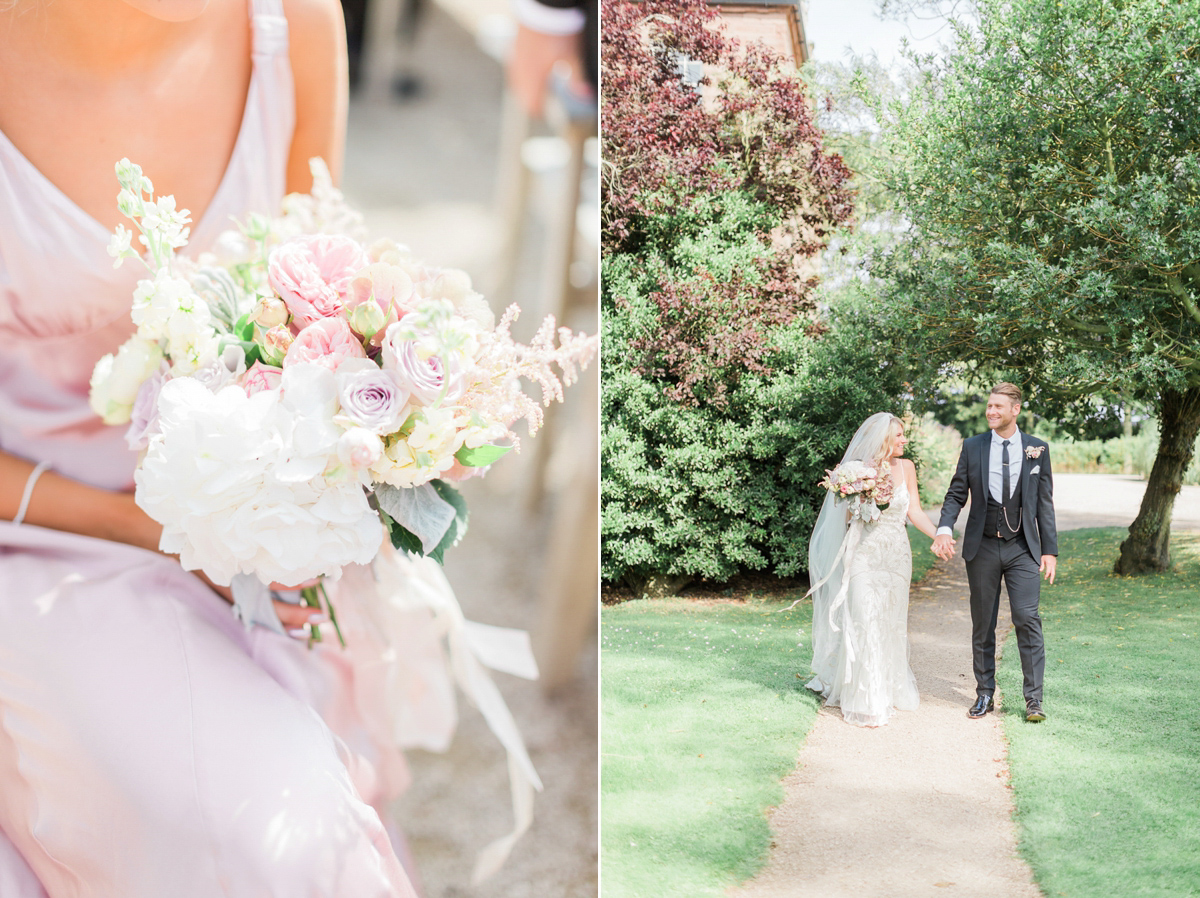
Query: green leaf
[253, 353]
[458, 528]
[482, 456]
[401, 538]
[244, 329]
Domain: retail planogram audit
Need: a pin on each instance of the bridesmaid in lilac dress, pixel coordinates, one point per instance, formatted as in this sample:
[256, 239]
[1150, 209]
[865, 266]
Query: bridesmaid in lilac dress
[149, 745]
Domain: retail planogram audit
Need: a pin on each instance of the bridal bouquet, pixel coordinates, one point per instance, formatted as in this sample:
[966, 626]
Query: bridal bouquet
[298, 395]
[868, 489]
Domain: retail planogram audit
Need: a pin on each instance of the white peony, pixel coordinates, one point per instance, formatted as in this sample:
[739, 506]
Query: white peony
[238, 482]
[117, 379]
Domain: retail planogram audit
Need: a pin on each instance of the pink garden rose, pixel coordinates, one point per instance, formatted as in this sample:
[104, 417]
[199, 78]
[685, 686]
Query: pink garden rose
[326, 342]
[261, 377]
[312, 274]
[458, 472]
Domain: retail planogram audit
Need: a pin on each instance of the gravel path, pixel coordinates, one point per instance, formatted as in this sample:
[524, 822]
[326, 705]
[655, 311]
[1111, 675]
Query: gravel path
[922, 806]
[916, 808]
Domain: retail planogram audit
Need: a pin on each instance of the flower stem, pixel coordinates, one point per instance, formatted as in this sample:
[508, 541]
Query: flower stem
[332, 614]
[311, 599]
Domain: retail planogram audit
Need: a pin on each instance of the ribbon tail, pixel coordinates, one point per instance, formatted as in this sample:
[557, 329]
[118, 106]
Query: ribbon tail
[252, 603]
[492, 857]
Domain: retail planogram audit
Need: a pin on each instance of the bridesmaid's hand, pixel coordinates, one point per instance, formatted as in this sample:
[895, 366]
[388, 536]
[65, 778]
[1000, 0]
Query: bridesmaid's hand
[293, 617]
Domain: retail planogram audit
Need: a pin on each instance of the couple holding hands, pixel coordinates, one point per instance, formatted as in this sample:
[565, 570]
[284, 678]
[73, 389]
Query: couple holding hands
[862, 570]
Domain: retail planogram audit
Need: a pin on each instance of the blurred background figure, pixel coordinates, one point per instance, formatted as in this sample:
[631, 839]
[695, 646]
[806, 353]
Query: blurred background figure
[472, 140]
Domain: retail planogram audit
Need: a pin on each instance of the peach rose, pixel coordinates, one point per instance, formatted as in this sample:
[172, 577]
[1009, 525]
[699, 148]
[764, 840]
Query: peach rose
[326, 342]
[312, 274]
[261, 377]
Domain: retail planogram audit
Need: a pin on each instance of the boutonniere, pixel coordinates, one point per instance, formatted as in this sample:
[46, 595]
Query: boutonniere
[1034, 451]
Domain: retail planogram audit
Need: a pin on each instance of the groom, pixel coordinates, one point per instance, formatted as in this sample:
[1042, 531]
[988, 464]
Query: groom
[1010, 535]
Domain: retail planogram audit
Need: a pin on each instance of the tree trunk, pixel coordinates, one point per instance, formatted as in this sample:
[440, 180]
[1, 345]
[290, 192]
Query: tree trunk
[1147, 547]
[1127, 431]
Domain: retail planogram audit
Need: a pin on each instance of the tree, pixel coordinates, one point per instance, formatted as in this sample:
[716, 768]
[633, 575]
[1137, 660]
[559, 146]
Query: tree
[1050, 170]
[725, 392]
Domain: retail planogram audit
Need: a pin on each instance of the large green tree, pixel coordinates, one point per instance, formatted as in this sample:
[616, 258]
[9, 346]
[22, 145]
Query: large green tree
[1049, 167]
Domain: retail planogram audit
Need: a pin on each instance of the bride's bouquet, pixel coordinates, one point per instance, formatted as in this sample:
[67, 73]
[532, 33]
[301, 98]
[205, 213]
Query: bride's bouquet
[867, 488]
[298, 396]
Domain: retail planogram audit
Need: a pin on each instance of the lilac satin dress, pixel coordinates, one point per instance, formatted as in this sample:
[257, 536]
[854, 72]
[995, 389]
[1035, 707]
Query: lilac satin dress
[150, 746]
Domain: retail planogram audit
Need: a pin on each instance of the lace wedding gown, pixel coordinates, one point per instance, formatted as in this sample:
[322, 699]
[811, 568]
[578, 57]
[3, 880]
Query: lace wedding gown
[150, 746]
[860, 652]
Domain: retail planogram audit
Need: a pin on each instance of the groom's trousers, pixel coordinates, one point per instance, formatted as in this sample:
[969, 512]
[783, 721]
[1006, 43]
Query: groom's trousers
[1006, 561]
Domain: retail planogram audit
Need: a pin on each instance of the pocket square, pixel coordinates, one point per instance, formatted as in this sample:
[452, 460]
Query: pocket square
[1035, 470]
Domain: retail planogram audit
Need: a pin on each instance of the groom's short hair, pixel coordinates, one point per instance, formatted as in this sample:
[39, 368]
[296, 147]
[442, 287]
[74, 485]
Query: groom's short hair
[1012, 391]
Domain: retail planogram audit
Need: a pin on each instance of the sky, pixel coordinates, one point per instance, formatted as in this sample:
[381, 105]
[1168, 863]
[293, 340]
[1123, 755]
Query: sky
[835, 27]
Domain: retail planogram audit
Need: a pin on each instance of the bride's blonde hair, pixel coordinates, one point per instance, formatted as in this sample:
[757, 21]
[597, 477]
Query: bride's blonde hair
[883, 459]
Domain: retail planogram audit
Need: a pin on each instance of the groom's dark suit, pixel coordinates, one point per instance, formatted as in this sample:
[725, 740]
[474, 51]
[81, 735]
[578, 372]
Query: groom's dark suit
[1014, 556]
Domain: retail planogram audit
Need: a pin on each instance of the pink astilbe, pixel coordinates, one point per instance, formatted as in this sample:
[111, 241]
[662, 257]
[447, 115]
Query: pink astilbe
[495, 391]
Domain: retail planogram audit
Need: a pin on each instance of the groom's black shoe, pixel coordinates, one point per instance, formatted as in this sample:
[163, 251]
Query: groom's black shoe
[1033, 711]
[982, 705]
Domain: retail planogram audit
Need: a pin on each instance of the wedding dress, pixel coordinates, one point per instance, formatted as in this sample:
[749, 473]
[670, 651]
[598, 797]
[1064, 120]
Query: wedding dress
[150, 745]
[860, 620]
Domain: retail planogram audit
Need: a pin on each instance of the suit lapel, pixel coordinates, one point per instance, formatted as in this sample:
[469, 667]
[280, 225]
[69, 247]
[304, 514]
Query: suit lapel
[1026, 478]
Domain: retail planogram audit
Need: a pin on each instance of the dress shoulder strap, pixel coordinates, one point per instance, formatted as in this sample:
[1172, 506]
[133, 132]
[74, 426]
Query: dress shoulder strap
[270, 28]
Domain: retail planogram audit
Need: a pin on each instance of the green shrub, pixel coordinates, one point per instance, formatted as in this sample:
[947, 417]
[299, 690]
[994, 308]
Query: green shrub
[701, 491]
[936, 448]
[1110, 456]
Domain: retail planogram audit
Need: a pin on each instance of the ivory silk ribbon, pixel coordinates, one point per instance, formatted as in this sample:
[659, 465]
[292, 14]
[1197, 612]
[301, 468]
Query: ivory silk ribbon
[375, 605]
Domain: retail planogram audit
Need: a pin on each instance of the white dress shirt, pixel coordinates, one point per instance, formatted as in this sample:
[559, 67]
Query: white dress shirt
[1016, 458]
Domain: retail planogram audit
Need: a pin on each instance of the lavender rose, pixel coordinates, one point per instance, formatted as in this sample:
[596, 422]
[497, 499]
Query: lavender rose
[425, 374]
[370, 397]
[143, 421]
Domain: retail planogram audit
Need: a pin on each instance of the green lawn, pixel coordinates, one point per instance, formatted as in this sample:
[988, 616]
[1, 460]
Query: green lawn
[703, 713]
[1108, 788]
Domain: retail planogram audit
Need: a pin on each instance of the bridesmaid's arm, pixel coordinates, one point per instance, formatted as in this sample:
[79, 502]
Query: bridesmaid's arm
[317, 35]
[916, 514]
[60, 503]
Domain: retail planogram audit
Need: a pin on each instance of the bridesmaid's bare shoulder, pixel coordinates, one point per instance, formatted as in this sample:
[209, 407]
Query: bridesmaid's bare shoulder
[317, 49]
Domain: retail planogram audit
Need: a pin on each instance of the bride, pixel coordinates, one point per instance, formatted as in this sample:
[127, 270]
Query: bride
[862, 573]
[150, 745]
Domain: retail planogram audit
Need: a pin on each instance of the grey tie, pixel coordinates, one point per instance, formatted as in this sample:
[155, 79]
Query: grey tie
[1004, 468]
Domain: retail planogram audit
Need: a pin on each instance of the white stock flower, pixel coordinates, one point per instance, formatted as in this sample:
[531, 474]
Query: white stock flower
[120, 246]
[192, 341]
[161, 222]
[116, 379]
[425, 454]
[231, 479]
[155, 300]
